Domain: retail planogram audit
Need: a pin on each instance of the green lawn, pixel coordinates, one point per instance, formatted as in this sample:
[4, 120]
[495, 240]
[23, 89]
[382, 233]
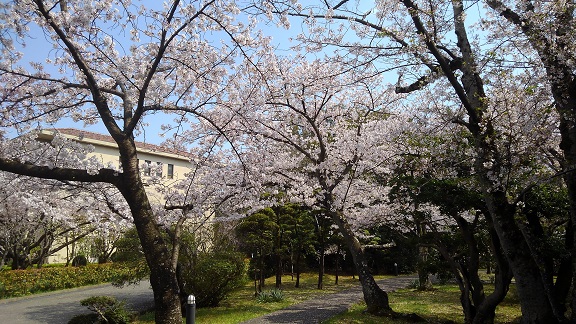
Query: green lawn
[442, 305]
[242, 304]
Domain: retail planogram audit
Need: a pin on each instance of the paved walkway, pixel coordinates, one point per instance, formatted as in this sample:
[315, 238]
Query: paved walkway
[318, 310]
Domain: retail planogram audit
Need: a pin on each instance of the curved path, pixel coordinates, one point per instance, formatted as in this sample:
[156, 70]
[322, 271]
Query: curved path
[318, 310]
[60, 306]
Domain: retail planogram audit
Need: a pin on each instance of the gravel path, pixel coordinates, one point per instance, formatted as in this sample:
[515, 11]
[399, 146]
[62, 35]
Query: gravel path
[318, 310]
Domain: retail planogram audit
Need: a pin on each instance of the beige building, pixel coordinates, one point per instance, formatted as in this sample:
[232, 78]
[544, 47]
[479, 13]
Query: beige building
[173, 164]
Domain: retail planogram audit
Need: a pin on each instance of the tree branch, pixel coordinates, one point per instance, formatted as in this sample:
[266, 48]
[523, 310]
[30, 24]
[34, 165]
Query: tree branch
[61, 174]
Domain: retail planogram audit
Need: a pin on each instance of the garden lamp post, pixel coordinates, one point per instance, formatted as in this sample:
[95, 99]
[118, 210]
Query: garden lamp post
[191, 310]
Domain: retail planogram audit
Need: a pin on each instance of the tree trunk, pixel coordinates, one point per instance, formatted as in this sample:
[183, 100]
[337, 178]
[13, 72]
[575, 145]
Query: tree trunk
[503, 276]
[424, 282]
[534, 298]
[376, 299]
[337, 263]
[297, 285]
[564, 275]
[278, 270]
[560, 74]
[261, 279]
[321, 267]
[163, 277]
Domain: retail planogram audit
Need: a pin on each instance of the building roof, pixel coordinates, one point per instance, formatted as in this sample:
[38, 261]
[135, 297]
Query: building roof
[93, 138]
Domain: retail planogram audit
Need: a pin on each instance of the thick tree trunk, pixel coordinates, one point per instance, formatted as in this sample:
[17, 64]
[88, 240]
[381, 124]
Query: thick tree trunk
[564, 275]
[376, 299]
[424, 282]
[534, 298]
[571, 183]
[163, 277]
[503, 276]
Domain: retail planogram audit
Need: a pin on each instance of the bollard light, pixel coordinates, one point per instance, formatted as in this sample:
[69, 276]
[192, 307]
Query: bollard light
[191, 310]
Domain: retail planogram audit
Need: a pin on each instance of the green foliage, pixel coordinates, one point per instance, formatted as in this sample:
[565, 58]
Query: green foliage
[450, 195]
[84, 319]
[270, 296]
[79, 261]
[138, 270]
[404, 254]
[108, 310]
[212, 276]
[414, 284]
[25, 282]
[128, 248]
[255, 232]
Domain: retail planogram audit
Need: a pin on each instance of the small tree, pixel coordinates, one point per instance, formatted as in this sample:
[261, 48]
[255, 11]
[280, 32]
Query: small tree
[256, 236]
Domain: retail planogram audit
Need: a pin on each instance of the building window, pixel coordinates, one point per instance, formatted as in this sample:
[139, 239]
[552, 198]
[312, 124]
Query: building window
[159, 169]
[147, 167]
[170, 171]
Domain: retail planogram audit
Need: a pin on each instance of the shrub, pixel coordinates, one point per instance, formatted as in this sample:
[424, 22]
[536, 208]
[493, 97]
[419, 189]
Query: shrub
[108, 310]
[414, 284]
[128, 248]
[84, 319]
[24, 282]
[79, 260]
[270, 296]
[212, 276]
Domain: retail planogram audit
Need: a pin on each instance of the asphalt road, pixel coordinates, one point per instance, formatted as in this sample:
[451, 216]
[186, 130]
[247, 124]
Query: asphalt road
[60, 306]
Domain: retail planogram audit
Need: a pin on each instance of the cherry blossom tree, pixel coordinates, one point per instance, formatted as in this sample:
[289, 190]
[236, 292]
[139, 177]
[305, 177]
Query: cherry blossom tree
[546, 27]
[438, 45]
[320, 132]
[435, 196]
[38, 214]
[31, 222]
[117, 64]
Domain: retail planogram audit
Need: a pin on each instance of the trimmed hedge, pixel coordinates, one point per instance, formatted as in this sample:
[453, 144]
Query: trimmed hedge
[14, 283]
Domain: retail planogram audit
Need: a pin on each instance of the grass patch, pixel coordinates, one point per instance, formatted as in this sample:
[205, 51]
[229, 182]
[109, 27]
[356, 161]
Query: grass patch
[242, 305]
[441, 305]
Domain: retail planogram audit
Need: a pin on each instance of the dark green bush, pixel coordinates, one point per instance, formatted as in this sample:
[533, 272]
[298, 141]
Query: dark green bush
[84, 319]
[211, 276]
[128, 248]
[79, 260]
